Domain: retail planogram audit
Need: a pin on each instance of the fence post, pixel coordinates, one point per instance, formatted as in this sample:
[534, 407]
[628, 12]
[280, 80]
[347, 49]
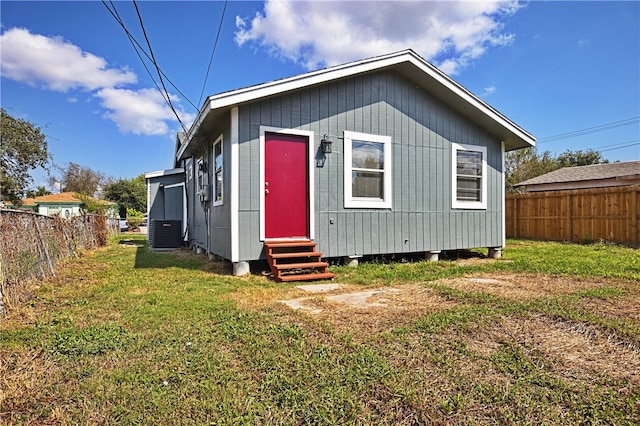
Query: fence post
[515, 216]
[569, 219]
[2, 310]
[634, 214]
[44, 246]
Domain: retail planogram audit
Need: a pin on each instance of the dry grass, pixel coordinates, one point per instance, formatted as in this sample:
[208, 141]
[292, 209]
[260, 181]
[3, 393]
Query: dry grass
[526, 286]
[482, 348]
[572, 350]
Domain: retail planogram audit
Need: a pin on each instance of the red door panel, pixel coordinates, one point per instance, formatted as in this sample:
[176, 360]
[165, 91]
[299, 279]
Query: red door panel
[286, 183]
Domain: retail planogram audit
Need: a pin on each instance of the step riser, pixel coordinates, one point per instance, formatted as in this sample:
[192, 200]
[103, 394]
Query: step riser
[286, 256]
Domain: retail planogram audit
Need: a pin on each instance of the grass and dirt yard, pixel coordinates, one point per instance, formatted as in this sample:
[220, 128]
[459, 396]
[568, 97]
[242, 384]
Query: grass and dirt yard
[549, 334]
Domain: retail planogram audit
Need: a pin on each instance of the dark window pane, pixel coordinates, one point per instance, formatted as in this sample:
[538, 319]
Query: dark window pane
[367, 184]
[469, 163]
[218, 195]
[218, 156]
[469, 189]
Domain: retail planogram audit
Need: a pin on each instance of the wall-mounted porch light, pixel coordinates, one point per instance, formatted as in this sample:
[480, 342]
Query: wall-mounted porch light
[325, 144]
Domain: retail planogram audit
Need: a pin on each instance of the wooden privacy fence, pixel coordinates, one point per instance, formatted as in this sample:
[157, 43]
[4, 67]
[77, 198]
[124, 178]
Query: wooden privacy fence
[609, 214]
[31, 245]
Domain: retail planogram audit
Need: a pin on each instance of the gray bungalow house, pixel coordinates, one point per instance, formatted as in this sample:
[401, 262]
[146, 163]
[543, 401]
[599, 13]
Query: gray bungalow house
[379, 156]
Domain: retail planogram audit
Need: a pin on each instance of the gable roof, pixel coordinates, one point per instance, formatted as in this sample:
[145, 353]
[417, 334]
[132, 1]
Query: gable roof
[628, 171]
[406, 62]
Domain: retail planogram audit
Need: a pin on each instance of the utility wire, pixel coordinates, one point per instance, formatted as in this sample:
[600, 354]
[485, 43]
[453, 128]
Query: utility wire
[213, 51]
[590, 130]
[135, 43]
[155, 63]
[115, 14]
[637, 142]
[619, 143]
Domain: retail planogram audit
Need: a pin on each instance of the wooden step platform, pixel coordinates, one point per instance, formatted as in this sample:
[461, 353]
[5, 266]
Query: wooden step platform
[296, 260]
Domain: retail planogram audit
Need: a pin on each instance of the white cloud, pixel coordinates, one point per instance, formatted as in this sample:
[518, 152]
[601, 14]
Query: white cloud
[58, 65]
[141, 112]
[489, 90]
[55, 63]
[325, 33]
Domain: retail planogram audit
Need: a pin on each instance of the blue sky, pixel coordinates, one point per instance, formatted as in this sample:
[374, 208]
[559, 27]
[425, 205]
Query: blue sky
[554, 68]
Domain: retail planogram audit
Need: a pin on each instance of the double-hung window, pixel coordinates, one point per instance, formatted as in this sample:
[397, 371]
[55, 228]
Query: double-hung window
[367, 170]
[469, 186]
[217, 177]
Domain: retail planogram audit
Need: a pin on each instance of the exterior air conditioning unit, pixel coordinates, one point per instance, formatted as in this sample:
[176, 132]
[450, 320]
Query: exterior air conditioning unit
[165, 233]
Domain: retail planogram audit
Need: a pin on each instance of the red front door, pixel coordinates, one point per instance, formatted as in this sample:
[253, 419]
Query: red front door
[286, 183]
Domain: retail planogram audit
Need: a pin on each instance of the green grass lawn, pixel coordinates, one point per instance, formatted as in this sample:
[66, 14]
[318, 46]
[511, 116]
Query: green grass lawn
[124, 335]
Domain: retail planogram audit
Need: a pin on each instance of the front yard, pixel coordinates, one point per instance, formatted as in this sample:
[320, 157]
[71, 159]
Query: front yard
[550, 334]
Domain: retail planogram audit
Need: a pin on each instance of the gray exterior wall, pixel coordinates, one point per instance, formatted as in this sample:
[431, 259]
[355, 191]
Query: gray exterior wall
[209, 225]
[422, 131]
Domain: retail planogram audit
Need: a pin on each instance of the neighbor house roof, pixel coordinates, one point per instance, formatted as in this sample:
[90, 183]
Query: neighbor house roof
[406, 62]
[61, 198]
[592, 176]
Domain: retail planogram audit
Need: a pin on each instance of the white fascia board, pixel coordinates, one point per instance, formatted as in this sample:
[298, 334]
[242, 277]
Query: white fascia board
[193, 129]
[297, 82]
[159, 173]
[236, 97]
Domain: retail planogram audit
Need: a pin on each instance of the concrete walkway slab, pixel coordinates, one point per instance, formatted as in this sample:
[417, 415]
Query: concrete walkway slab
[361, 299]
[319, 288]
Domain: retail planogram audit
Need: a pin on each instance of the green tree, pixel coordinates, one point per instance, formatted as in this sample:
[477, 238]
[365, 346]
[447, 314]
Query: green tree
[128, 193]
[90, 204]
[135, 218]
[38, 192]
[23, 147]
[524, 164]
[79, 179]
[580, 158]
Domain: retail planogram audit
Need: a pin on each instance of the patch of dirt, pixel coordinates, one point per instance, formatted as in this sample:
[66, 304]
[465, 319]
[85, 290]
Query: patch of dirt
[352, 308]
[524, 286]
[577, 351]
[627, 308]
[378, 310]
[571, 349]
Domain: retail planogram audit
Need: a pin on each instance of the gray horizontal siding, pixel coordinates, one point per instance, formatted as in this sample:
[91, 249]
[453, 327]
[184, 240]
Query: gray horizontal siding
[422, 131]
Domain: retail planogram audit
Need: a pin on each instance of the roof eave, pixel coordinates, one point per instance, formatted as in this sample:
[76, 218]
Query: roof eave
[408, 62]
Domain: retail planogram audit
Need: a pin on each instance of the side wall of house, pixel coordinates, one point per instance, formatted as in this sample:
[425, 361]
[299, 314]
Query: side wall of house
[209, 222]
[422, 130]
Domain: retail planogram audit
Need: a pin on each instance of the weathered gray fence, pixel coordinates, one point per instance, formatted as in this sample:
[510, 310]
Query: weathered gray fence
[31, 245]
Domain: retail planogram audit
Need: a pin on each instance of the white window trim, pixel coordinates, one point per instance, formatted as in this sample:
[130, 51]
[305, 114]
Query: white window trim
[221, 201]
[471, 205]
[360, 202]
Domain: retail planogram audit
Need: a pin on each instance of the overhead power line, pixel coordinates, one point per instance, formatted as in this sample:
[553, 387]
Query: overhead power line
[138, 48]
[213, 51]
[637, 142]
[590, 130]
[166, 95]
